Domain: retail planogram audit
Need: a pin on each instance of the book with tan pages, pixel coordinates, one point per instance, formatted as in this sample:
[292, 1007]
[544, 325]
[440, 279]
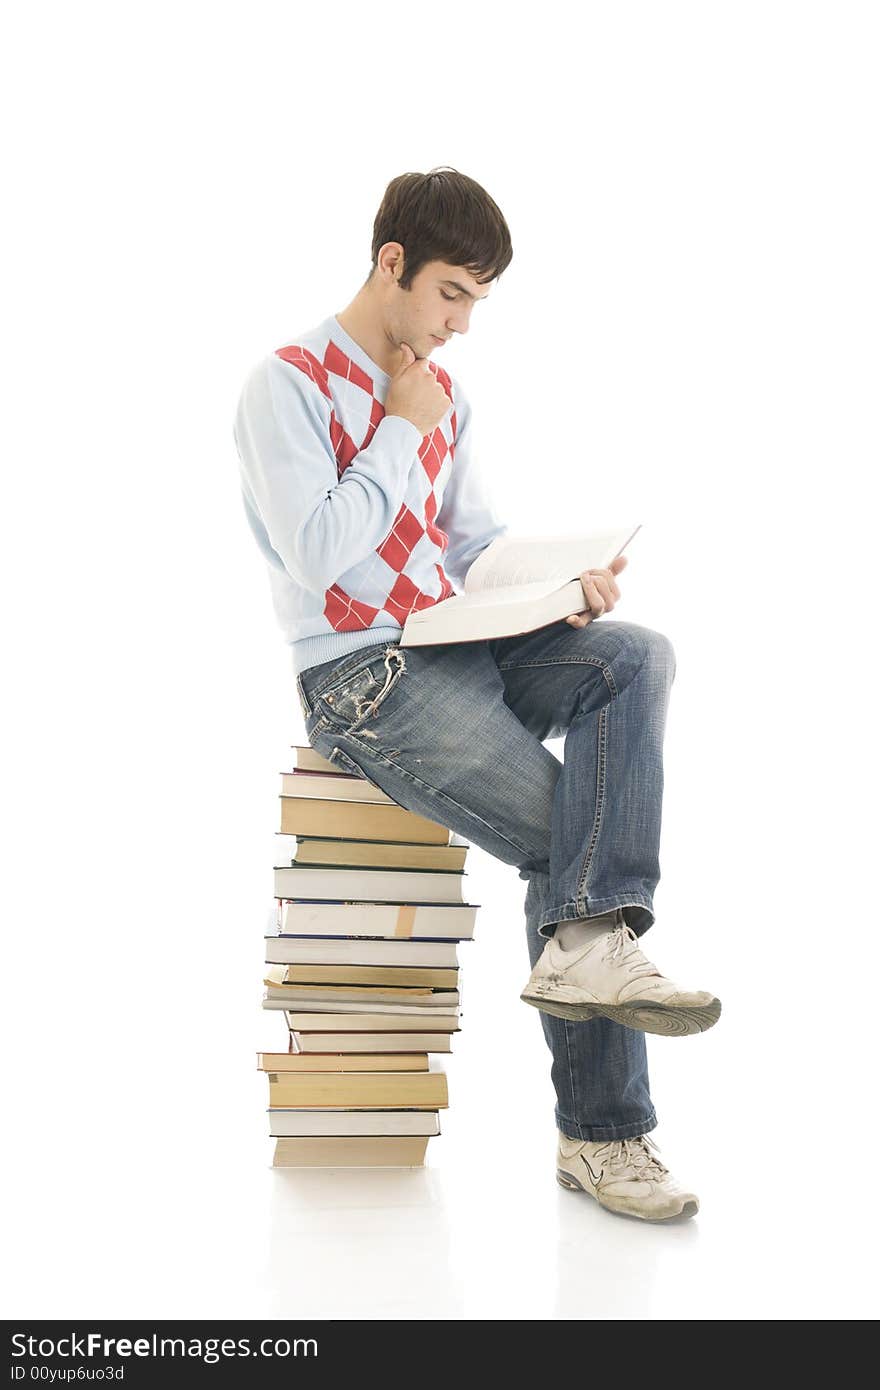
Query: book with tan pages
[280, 994]
[382, 1090]
[308, 759]
[284, 1121]
[356, 997]
[313, 1021]
[517, 584]
[398, 976]
[296, 1062]
[356, 950]
[317, 1044]
[348, 854]
[307, 882]
[332, 786]
[348, 1151]
[400, 921]
[357, 820]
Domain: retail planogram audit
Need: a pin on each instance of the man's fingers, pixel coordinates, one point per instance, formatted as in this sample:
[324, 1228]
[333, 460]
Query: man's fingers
[598, 593]
[407, 357]
[601, 591]
[607, 578]
[607, 584]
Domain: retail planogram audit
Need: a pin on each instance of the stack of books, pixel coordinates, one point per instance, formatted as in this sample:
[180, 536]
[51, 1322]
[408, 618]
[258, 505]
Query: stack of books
[362, 962]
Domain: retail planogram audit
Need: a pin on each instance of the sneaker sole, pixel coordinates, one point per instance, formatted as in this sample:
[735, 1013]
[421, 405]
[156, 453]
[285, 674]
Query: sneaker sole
[643, 1015]
[572, 1185]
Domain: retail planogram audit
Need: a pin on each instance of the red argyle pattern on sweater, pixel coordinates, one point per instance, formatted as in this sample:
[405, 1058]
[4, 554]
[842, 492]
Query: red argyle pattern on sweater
[382, 581]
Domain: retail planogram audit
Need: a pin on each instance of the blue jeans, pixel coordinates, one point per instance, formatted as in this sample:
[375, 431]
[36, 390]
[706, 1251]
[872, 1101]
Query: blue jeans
[454, 732]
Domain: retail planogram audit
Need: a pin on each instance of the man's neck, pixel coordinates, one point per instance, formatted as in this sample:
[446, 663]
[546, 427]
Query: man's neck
[362, 321]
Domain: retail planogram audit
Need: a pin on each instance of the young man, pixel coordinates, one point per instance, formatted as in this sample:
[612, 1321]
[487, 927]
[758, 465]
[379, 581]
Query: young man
[363, 493]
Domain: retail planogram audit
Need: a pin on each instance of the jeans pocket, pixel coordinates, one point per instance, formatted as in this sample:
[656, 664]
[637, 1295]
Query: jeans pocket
[350, 700]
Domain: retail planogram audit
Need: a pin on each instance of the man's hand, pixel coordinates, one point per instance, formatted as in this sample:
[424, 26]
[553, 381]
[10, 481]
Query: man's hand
[416, 393]
[600, 591]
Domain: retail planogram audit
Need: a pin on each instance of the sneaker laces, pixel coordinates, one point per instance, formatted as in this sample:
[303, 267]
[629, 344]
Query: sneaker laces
[623, 944]
[638, 1154]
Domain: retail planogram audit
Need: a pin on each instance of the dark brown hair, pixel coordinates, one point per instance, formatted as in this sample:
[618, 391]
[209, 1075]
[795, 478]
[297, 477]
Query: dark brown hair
[442, 216]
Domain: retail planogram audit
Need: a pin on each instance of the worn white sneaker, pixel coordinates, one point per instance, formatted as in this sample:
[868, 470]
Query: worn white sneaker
[625, 1176]
[612, 977]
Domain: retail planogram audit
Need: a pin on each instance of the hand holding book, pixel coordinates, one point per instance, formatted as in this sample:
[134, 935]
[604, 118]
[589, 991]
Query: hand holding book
[519, 584]
[600, 590]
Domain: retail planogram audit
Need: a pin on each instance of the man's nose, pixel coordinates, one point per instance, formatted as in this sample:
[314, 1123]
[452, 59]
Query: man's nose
[459, 320]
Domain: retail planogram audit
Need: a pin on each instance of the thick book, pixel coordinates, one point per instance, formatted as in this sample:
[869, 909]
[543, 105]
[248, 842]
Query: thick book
[294, 1122]
[318, 1044]
[310, 760]
[393, 977]
[288, 994]
[355, 950]
[358, 820]
[280, 993]
[334, 853]
[315, 1021]
[351, 1151]
[368, 885]
[295, 1062]
[333, 786]
[418, 1015]
[517, 585]
[407, 921]
[385, 1090]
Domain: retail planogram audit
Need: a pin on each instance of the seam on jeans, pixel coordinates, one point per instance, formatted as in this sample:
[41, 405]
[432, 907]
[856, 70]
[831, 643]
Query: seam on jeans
[377, 754]
[609, 677]
[600, 802]
[303, 697]
[553, 661]
[571, 1081]
[338, 756]
[572, 911]
[319, 728]
[602, 1133]
[569, 911]
[602, 760]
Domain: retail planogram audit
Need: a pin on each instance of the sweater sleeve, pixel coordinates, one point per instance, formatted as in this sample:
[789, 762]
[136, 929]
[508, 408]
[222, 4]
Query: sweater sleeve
[318, 524]
[467, 513]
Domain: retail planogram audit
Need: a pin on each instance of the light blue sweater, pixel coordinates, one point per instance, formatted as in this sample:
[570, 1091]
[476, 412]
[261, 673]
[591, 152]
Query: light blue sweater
[360, 520]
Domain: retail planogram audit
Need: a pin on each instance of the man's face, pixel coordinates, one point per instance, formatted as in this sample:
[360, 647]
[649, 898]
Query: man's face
[437, 306]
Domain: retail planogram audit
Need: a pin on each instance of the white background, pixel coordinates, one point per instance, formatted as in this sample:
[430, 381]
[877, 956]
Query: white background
[687, 336]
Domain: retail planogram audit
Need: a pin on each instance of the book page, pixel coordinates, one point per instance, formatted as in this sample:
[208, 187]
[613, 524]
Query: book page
[510, 561]
[489, 598]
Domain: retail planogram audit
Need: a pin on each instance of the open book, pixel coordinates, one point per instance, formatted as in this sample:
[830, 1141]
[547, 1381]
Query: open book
[517, 585]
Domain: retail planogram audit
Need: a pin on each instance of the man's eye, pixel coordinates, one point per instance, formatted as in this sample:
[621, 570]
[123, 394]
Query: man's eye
[450, 297]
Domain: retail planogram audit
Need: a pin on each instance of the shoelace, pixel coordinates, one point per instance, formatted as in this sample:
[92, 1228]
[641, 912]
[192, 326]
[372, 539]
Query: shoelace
[624, 943]
[636, 1154]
